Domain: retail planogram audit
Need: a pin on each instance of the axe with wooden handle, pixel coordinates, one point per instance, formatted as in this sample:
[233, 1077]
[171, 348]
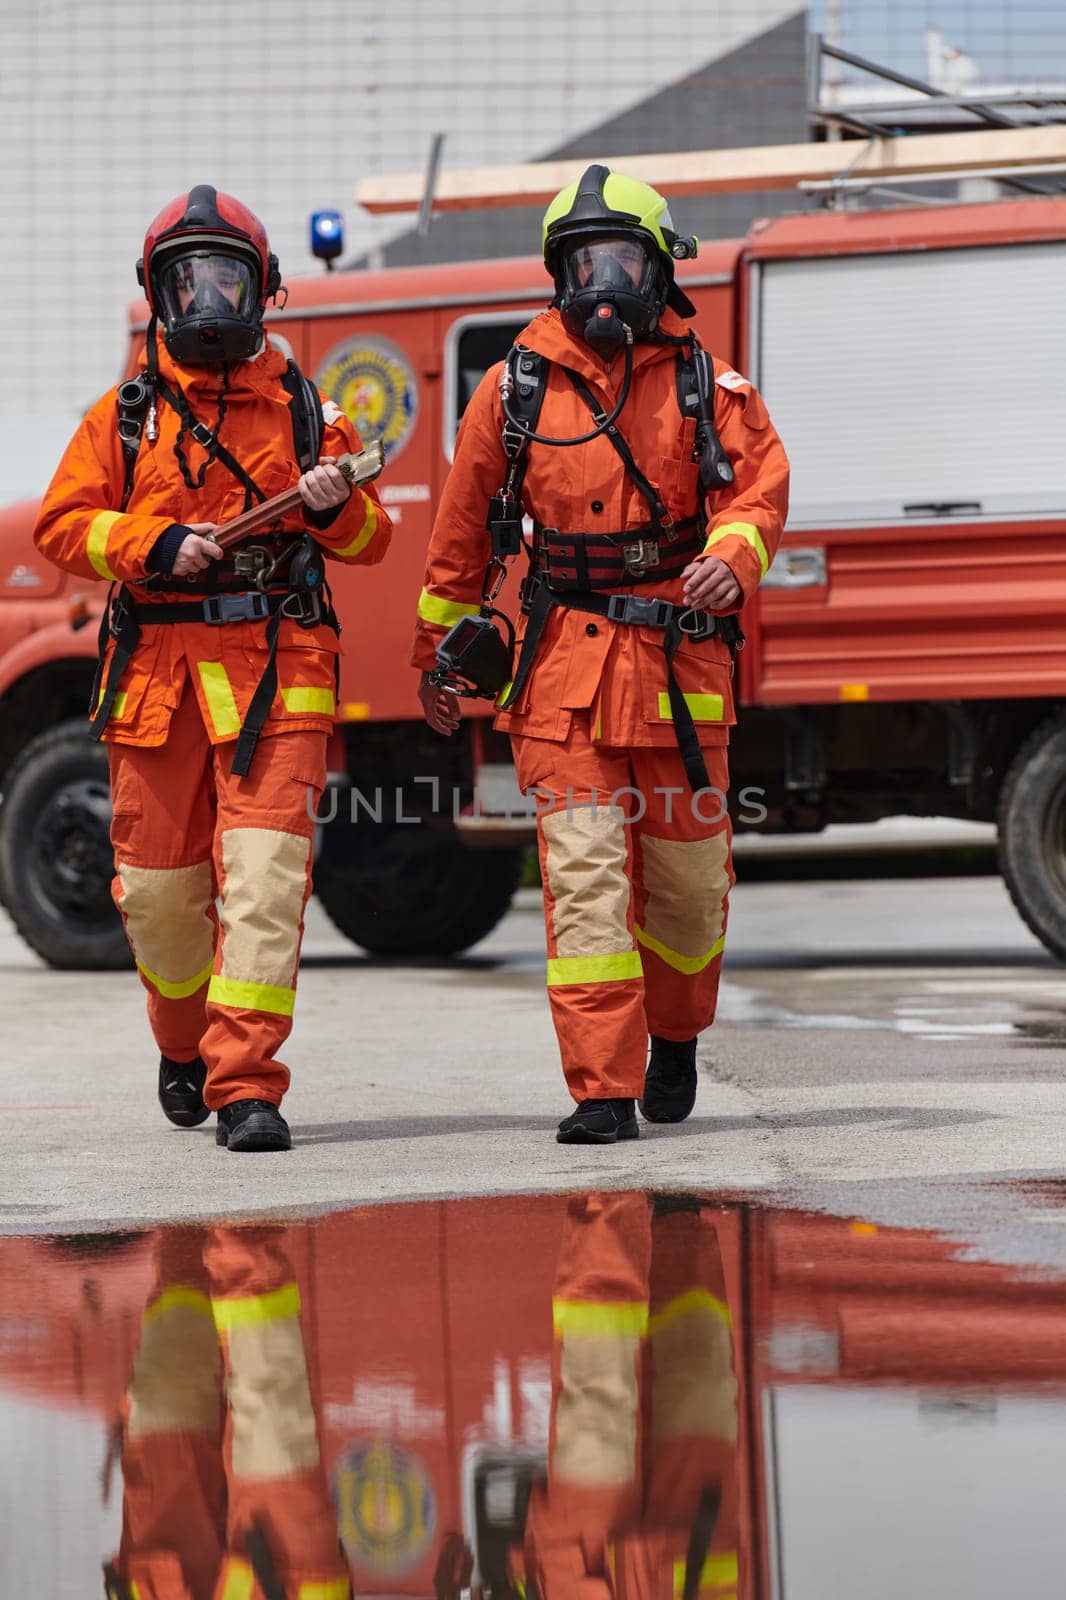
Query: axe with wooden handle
[358, 469]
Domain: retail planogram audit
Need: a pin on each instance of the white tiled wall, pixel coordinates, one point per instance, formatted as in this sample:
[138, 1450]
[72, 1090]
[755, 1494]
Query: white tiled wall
[109, 108]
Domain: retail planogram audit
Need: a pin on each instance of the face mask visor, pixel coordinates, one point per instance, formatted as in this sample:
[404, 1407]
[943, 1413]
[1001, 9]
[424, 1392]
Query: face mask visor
[206, 284]
[606, 267]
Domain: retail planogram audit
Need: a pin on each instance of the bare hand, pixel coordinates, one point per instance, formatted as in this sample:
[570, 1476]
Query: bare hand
[441, 709]
[197, 550]
[710, 585]
[324, 486]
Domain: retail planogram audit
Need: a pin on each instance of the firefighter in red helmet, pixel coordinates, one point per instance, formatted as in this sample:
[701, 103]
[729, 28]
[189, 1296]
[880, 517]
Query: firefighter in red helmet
[216, 689]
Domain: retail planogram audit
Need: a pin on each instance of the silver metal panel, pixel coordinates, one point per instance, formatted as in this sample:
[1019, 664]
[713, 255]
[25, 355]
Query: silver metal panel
[930, 379]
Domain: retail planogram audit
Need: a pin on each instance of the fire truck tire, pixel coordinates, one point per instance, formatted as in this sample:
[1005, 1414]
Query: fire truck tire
[412, 890]
[1032, 833]
[56, 863]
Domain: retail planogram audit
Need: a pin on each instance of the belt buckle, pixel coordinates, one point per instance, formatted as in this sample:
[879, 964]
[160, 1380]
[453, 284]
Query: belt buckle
[641, 556]
[250, 607]
[639, 611]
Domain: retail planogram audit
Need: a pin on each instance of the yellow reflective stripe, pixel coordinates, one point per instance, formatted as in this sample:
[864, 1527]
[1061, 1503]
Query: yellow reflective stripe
[335, 1589]
[175, 991]
[597, 732]
[365, 534]
[680, 963]
[239, 1582]
[586, 1319]
[312, 701]
[595, 969]
[704, 707]
[719, 1571]
[96, 544]
[219, 697]
[685, 1304]
[280, 1305]
[504, 692]
[251, 996]
[178, 1294]
[445, 613]
[744, 530]
[134, 1587]
[118, 705]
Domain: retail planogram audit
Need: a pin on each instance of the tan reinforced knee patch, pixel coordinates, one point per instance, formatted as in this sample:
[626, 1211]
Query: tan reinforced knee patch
[262, 901]
[586, 867]
[596, 1416]
[177, 1377]
[270, 1401]
[694, 1388]
[166, 910]
[686, 882]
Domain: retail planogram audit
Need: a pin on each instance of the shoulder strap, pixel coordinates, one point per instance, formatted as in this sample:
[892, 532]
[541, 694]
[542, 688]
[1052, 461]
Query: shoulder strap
[660, 517]
[529, 381]
[132, 400]
[695, 398]
[527, 374]
[308, 423]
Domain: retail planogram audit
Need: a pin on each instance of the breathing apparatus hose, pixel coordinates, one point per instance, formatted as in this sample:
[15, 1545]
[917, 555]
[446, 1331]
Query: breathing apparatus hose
[532, 437]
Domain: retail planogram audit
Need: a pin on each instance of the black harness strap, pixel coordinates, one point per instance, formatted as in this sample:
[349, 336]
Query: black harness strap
[308, 423]
[209, 441]
[662, 522]
[119, 623]
[635, 611]
[261, 702]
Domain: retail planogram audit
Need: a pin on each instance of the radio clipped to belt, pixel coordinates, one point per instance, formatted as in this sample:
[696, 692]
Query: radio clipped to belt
[474, 660]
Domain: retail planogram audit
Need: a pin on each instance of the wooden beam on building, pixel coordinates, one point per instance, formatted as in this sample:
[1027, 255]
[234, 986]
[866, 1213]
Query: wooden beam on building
[726, 171]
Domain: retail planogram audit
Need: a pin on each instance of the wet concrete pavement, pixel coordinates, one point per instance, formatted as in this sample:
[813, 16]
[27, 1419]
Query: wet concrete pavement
[872, 1034]
[811, 1343]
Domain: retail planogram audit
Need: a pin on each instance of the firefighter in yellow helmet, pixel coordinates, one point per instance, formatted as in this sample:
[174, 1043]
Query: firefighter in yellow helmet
[658, 490]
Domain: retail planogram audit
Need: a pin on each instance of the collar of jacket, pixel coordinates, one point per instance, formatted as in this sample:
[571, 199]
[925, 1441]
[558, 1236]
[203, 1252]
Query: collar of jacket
[259, 375]
[549, 337]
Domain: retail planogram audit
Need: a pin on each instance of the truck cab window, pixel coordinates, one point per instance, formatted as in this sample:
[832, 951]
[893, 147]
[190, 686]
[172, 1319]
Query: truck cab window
[476, 345]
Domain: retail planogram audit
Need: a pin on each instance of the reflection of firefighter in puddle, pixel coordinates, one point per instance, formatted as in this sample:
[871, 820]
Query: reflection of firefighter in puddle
[224, 1499]
[642, 1495]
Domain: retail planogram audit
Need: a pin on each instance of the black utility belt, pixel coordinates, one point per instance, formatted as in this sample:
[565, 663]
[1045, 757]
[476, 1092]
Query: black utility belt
[249, 606]
[583, 561]
[635, 610]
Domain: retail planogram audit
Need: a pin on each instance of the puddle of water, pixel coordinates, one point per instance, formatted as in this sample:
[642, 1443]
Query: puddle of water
[1036, 1014]
[599, 1395]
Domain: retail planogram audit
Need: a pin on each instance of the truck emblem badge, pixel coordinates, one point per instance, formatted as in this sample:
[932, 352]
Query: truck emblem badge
[373, 383]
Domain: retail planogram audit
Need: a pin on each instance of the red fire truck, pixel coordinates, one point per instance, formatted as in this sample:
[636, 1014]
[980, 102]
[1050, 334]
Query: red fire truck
[906, 653]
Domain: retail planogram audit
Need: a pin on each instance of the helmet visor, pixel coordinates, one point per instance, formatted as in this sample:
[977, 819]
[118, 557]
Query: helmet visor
[207, 283]
[608, 266]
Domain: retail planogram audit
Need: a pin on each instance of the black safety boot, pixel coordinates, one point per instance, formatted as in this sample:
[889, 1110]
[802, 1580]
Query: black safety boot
[670, 1081]
[252, 1125]
[181, 1091]
[599, 1122]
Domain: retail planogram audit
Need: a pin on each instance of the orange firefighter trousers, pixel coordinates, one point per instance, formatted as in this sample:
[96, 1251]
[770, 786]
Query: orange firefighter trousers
[636, 898]
[642, 1462]
[220, 980]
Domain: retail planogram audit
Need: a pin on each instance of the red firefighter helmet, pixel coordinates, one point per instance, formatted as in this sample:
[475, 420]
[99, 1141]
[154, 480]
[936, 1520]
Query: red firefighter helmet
[208, 271]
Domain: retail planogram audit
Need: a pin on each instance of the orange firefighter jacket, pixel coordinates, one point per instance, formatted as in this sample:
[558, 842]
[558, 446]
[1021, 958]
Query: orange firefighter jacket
[82, 529]
[616, 671]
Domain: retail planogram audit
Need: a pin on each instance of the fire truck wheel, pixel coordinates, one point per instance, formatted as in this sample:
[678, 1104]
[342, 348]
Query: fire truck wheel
[401, 889]
[55, 853]
[1032, 833]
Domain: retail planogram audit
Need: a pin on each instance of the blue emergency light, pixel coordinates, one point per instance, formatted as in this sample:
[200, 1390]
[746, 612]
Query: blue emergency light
[327, 235]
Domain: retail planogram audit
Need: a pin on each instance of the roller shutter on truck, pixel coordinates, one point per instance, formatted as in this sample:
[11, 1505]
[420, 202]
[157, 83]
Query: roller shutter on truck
[917, 385]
